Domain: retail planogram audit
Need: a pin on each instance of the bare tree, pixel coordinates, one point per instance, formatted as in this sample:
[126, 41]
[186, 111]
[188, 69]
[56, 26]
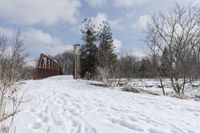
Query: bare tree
[3, 43]
[3, 40]
[17, 59]
[155, 58]
[179, 32]
[10, 73]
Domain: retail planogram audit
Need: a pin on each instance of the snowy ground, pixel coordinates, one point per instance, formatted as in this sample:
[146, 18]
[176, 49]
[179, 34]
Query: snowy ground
[63, 105]
[191, 90]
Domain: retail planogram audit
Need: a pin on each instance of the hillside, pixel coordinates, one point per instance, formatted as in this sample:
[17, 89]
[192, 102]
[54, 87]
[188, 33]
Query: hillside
[63, 105]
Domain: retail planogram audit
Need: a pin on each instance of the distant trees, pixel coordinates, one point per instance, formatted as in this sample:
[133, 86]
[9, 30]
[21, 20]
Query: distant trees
[146, 68]
[165, 66]
[66, 60]
[27, 72]
[128, 65]
[176, 36]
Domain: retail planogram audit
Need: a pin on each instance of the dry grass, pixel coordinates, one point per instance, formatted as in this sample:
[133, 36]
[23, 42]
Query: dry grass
[138, 90]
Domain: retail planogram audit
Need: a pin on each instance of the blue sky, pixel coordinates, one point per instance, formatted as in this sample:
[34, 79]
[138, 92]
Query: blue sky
[52, 26]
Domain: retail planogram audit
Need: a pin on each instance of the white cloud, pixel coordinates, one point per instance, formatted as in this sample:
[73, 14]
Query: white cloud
[128, 3]
[116, 23]
[118, 3]
[38, 37]
[8, 32]
[99, 18]
[103, 17]
[131, 14]
[38, 42]
[118, 44]
[39, 11]
[142, 22]
[31, 62]
[96, 2]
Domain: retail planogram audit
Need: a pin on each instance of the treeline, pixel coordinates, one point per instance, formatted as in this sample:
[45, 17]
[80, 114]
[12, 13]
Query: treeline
[98, 59]
[173, 39]
[127, 65]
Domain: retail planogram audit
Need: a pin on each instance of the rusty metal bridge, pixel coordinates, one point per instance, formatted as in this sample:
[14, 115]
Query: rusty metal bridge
[47, 67]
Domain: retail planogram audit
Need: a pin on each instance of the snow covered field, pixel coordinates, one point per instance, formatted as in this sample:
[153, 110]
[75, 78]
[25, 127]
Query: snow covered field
[63, 105]
[191, 90]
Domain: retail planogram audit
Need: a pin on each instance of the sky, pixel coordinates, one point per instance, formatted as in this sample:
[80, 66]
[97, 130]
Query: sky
[53, 26]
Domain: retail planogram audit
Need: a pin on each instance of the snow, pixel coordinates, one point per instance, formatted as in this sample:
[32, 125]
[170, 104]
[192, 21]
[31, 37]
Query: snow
[63, 105]
[191, 89]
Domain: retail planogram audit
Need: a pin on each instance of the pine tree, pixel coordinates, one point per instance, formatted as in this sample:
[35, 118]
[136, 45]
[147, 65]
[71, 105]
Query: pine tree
[106, 55]
[88, 55]
[165, 68]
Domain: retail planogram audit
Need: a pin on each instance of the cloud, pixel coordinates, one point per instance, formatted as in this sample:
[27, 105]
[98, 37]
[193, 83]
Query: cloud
[94, 3]
[47, 12]
[116, 23]
[142, 22]
[38, 42]
[38, 37]
[100, 17]
[131, 14]
[8, 32]
[31, 62]
[128, 3]
[118, 44]
[118, 3]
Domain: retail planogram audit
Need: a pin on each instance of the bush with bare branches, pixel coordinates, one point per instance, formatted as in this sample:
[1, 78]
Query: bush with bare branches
[10, 66]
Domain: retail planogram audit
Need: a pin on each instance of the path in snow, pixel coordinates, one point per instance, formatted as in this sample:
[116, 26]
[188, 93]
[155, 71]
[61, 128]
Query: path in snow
[63, 105]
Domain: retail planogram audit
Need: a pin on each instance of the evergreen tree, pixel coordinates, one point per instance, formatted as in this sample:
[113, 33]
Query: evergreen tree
[88, 51]
[106, 57]
[165, 68]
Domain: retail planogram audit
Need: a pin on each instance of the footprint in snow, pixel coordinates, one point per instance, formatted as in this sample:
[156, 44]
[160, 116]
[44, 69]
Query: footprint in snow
[58, 101]
[32, 110]
[126, 124]
[36, 125]
[44, 118]
[151, 130]
[58, 122]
